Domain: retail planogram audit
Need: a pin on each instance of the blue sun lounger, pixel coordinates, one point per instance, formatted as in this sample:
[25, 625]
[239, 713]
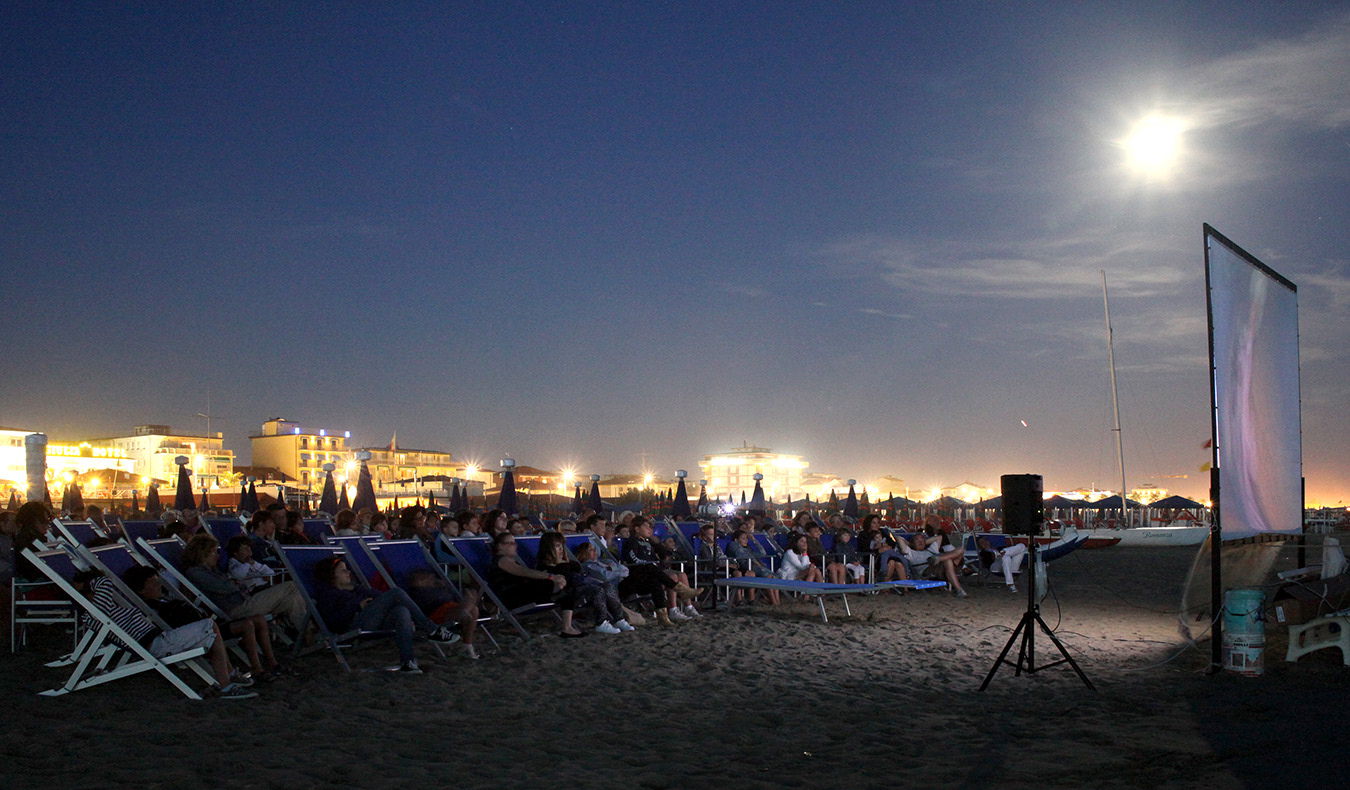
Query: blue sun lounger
[819, 590]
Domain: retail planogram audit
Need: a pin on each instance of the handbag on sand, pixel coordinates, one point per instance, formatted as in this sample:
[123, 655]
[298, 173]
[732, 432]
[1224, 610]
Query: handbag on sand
[633, 617]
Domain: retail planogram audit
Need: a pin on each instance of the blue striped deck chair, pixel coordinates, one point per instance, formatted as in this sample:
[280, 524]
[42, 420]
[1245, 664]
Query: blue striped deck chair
[370, 570]
[134, 530]
[39, 602]
[166, 554]
[398, 559]
[222, 529]
[475, 556]
[109, 653]
[77, 533]
[527, 549]
[300, 562]
[577, 540]
[316, 529]
[769, 550]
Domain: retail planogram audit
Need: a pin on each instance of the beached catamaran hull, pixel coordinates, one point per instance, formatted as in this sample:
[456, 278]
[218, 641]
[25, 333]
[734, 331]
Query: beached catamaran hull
[1154, 536]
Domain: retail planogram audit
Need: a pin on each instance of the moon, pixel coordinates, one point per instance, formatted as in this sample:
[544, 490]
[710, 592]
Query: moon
[1153, 145]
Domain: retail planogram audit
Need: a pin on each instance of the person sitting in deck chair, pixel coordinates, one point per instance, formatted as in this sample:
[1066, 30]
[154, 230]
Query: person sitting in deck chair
[797, 564]
[605, 575]
[938, 560]
[344, 608]
[102, 593]
[344, 524]
[848, 565]
[589, 592]
[439, 602]
[294, 532]
[746, 561]
[646, 559]
[245, 570]
[517, 585]
[897, 562]
[252, 631]
[201, 566]
[1007, 560]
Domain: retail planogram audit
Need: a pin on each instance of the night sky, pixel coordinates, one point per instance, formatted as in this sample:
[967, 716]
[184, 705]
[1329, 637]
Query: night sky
[579, 232]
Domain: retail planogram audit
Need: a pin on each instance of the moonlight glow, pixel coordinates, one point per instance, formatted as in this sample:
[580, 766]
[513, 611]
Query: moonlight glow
[1153, 146]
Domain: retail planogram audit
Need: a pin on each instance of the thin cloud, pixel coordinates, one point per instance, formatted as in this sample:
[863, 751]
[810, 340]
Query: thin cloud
[1056, 268]
[885, 313]
[1301, 81]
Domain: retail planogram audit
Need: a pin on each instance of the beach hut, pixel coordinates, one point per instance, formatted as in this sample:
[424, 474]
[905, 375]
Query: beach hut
[506, 499]
[851, 504]
[328, 501]
[182, 498]
[365, 487]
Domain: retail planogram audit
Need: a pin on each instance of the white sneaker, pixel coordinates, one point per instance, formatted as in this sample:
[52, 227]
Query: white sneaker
[692, 611]
[677, 615]
[606, 628]
[624, 625]
[1012, 588]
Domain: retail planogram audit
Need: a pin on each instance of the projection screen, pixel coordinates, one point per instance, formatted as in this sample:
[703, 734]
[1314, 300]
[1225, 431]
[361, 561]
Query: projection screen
[1258, 448]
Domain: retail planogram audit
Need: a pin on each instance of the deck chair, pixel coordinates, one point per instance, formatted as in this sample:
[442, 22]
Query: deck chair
[1332, 630]
[317, 529]
[396, 560]
[108, 652]
[39, 602]
[300, 563]
[78, 533]
[370, 570]
[222, 529]
[475, 557]
[134, 530]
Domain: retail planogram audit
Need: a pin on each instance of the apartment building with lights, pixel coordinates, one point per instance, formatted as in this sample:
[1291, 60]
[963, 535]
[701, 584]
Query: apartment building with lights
[734, 472]
[300, 453]
[154, 448]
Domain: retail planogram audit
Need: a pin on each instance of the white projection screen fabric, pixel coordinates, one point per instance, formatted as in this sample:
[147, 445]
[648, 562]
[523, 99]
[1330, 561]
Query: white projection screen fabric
[1253, 314]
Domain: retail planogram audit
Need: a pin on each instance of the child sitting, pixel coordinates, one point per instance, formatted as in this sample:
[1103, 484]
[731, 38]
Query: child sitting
[439, 602]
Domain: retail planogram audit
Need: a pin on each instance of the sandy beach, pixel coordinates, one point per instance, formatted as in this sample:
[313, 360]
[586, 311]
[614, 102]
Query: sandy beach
[753, 697]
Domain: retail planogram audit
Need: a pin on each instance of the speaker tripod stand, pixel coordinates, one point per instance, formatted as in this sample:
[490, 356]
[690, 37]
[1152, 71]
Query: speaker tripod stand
[1026, 630]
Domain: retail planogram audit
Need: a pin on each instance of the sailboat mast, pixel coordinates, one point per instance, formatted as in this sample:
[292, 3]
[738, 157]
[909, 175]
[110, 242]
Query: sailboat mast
[1115, 401]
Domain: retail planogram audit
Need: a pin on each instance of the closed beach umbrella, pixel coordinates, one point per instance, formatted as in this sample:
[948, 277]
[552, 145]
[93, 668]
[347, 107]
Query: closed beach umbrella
[343, 502]
[65, 498]
[454, 497]
[863, 503]
[243, 495]
[365, 489]
[135, 502]
[206, 503]
[593, 501]
[183, 498]
[757, 505]
[328, 501]
[742, 497]
[253, 505]
[46, 495]
[152, 504]
[851, 504]
[834, 500]
[76, 497]
[679, 508]
[13, 501]
[506, 500]
[577, 503]
[702, 494]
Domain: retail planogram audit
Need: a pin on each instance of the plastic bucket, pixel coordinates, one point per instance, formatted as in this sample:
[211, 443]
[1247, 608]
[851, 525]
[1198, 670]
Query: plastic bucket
[1244, 632]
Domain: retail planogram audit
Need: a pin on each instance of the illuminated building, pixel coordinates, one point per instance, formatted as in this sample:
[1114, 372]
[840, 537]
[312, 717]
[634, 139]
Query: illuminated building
[733, 472]
[153, 448]
[390, 463]
[299, 454]
[65, 460]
